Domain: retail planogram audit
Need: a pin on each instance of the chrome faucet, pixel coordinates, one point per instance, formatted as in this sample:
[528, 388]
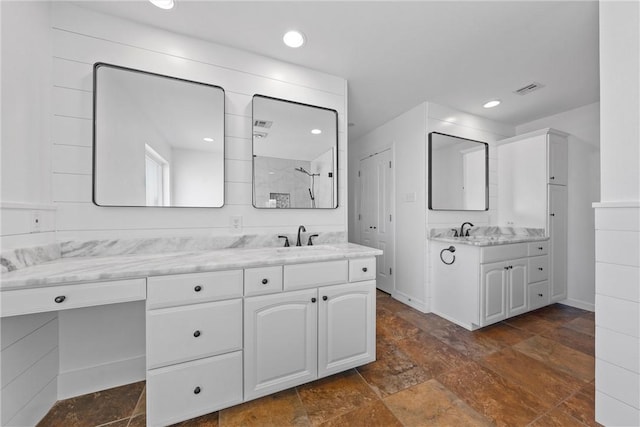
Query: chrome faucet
[462, 229]
[301, 228]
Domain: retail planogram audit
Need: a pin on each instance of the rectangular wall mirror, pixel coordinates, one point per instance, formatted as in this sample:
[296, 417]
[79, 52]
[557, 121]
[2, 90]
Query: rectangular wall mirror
[458, 173]
[158, 140]
[295, 155]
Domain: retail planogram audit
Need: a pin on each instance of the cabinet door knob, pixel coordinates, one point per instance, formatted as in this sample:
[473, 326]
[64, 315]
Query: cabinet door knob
[313, 300]
[197, 288]
[552, 214]
[364, 269]
[540, 248]
[540, 295]
[265, 281]
[196, 334]
[60, 299]
[197, 390]
[540, 268]
[506, 268]
[324, 298]
[552, 177]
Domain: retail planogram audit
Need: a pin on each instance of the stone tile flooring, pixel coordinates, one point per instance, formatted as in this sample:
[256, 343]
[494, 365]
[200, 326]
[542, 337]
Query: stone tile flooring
[533, 370]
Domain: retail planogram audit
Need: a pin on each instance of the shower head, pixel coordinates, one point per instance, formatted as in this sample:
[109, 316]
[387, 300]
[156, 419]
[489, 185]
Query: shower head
[303, 170]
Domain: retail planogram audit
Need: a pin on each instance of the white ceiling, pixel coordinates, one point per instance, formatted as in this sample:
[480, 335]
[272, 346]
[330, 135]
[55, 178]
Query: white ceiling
[397, 54]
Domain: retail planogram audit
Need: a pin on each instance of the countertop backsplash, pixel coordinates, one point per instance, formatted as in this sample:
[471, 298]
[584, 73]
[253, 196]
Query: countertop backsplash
[16, 259]
[489, 231]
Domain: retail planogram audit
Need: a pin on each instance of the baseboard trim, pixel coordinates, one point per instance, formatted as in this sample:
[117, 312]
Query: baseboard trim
[411, 302]
[101, 377]
[578, 304]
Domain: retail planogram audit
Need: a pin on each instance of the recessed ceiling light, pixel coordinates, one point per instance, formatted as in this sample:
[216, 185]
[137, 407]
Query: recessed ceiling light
[316, 131]
[492, 103]
[293, 39]
[163, 4]
[207, 139]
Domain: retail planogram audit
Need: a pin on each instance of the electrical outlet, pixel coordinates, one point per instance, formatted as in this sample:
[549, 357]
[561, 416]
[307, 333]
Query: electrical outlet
[36, 222]
[236, 222]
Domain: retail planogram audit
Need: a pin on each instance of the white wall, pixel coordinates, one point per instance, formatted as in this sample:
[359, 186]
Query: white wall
[80, 38]
[583, 187]
[25, 149]
[618, 218]
[408, 134]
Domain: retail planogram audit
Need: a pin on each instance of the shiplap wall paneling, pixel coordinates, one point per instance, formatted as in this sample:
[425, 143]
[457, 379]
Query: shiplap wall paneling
[81, 38]
[29, 367]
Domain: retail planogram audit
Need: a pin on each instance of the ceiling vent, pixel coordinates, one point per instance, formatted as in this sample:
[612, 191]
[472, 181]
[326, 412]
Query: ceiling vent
[262, 124]
[529, 88]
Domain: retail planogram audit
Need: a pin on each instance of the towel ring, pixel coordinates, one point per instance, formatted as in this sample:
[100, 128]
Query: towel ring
[451, 249]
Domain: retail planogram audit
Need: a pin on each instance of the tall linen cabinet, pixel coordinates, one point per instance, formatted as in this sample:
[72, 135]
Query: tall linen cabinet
[532, 192]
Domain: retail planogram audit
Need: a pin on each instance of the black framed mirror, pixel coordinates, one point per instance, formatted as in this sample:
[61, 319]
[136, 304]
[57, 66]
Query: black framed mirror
[295, 155]
[458, 173]
[157, 140]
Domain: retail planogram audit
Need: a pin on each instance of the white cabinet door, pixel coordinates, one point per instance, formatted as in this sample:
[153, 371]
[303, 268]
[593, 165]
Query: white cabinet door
[558, 241]
[280, 341]
[346, 327]
[558, 159]
[493, 292]
[517, 287]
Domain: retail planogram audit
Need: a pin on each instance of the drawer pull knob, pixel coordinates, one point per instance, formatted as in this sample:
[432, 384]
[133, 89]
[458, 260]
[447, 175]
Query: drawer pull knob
[364, 269]
[324, 298]
[540, 295]
[540, 248]
[540, 268]
[552, 177]
[196, 334]
[60, 299]
[197, 288]
[197, 390]
[313, 300]
[265, 281]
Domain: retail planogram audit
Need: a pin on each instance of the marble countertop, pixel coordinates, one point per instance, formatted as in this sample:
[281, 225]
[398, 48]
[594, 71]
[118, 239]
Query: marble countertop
[94, 268]
[490, 240]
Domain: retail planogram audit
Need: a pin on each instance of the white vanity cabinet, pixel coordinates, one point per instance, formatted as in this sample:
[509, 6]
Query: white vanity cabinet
[297, 336]
[487, 284]
[194, 345]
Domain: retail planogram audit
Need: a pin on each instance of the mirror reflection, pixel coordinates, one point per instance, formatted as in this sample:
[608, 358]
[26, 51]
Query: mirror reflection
[158, 140]
[458, 173]
[295, 155]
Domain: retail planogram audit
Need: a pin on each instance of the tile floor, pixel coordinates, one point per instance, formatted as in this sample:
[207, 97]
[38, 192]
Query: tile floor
[533, 370]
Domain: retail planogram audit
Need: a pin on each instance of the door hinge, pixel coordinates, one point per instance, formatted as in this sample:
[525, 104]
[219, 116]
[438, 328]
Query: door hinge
[390, 271]
[389, 163]
[358, 173]
[389, 218]
[359, 217]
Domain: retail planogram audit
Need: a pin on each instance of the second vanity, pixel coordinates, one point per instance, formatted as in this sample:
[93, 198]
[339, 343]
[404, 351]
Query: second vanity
[481, 280]
[236, 325]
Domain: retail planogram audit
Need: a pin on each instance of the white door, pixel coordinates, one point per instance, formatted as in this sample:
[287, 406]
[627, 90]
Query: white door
[517, 287]
[493, 293]
[346, 327]
[376, 210]
[280, 341]
[558, 241]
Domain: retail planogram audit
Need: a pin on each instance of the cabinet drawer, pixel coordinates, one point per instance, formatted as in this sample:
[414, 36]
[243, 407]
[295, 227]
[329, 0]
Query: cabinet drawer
[538, 268]
[539, 248]
[53, 298]
[262, 280]
[179, 334]
[503, 252]
[362, 269]
[538, 295]
[167, 291]
[302, 276]
[191, 389]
